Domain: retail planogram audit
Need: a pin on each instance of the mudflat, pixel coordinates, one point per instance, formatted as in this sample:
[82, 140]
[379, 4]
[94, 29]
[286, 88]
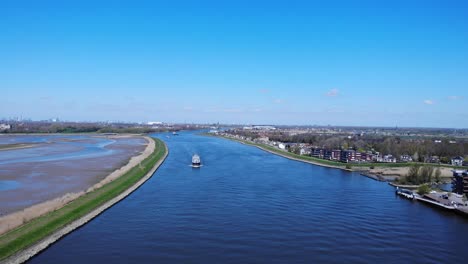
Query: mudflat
[54, 166]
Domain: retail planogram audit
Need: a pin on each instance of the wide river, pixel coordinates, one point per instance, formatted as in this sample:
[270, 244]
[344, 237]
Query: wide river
[248, 206]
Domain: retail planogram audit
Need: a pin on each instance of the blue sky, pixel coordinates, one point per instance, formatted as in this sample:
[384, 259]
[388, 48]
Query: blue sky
[371, 63]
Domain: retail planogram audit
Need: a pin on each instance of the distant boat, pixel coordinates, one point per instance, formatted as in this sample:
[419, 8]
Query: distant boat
[196, 162]
[175, 133]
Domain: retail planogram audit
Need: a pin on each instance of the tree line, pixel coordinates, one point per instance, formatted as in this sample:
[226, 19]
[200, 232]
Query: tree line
[418, 174]
[417, 147]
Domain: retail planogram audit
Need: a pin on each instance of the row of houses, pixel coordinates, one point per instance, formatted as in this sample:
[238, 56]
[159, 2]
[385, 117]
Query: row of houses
[346, 156]
[350, 156]
[455, 161]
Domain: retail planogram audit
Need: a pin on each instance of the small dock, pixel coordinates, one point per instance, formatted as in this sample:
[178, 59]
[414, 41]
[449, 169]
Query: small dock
[442, 200]
[435, 203]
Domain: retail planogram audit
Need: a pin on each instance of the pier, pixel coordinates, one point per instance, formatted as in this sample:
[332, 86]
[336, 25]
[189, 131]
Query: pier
[436, 203]
[441, 200]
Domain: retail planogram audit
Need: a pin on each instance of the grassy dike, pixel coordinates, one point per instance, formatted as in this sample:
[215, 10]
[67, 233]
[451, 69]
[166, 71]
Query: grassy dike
[328, 163]
[38, 229]
[268, 148]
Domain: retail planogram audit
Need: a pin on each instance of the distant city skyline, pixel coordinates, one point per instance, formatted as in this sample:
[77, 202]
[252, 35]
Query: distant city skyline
[396, 63]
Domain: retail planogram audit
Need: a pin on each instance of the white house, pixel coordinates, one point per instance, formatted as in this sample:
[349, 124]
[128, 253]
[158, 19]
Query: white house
[281, 146]
[153, 123]
[457, 161]
[386, 158]
[304, 151]
[406, 158]
[4, 127]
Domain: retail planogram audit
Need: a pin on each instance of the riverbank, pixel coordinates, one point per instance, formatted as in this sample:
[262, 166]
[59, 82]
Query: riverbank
[288, 155]
[296, 157]
[58, 168]
[376, 171]
[24, 242]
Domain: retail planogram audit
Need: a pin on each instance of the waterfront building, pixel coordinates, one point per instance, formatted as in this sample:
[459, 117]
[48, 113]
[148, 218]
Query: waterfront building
[460, 181]
[317, 153]
[336, 154]
[367, 157]
[349, 156]
[327, 154]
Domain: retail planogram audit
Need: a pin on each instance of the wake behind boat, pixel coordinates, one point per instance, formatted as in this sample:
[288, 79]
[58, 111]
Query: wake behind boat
[196, 161]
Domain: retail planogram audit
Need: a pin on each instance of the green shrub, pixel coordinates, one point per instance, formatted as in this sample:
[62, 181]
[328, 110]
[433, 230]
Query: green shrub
[437, 174]
[424, 189]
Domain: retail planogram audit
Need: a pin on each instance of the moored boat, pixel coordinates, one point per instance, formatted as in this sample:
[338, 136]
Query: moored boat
[405, 193]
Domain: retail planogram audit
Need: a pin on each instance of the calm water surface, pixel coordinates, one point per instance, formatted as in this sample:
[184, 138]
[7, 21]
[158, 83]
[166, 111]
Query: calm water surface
[248, 206]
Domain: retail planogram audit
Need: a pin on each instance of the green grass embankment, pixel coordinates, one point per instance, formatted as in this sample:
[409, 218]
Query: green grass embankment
[43, 226]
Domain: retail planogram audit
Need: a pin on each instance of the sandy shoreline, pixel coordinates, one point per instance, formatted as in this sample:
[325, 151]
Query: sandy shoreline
[57, 166]
[20, 146]
[15, 219]
[445, 172]
[27, 253]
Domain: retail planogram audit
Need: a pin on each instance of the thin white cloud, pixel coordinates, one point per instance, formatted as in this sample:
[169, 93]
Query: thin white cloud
[232, 110]
[428, 102]
[333, 92]
[455, 97]
[129, 98]
[278, 101]
[223, 110]
[46, 98]
[334, 109]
